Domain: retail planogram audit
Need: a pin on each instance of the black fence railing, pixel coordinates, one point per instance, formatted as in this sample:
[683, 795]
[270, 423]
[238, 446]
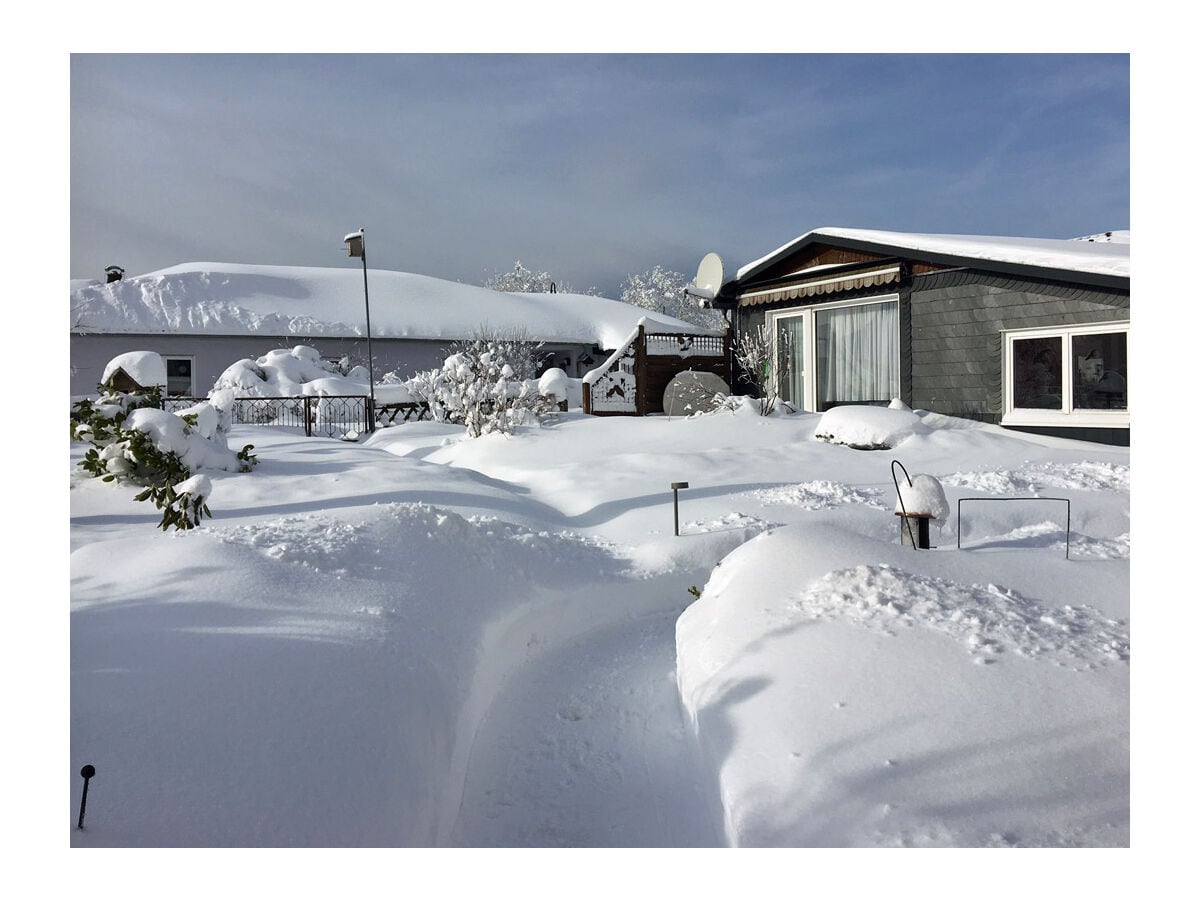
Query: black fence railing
[327, 416]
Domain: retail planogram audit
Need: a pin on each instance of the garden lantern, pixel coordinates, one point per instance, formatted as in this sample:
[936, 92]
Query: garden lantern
[919, 501]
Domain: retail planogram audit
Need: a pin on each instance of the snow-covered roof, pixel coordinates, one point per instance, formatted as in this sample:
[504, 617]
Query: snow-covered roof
[1086, 255]
[239, 299]
[144, 366]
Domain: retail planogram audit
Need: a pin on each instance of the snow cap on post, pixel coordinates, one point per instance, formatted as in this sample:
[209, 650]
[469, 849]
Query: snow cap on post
[924, 497]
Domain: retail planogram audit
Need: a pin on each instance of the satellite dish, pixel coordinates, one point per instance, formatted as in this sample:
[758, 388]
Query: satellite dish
[708, 279]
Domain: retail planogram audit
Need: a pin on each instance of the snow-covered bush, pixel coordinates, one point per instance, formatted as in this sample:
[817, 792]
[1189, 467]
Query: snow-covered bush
[486, 383]
[134, 440]
[755, 356]
[285, 372]
[555, 384]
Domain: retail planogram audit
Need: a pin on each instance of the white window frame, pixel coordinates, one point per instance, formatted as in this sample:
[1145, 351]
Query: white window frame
[167, 357]
[810, 339]
[1065, 416]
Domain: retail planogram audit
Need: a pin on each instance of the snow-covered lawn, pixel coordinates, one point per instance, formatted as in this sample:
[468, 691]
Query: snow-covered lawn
[423, 640]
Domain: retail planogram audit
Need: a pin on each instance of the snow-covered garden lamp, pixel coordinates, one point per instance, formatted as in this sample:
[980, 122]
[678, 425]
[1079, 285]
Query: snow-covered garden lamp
[356, 243]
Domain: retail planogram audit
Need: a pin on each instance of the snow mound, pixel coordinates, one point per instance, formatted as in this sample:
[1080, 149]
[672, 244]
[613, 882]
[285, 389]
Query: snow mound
[749, 525]
[411, 541]
[868, 427]
[818, 495]
[990, 619]
[1050, 536]
[1088, 475]
[288, 373]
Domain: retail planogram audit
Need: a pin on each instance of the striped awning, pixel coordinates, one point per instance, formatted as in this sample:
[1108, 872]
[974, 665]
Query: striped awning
[818, 284]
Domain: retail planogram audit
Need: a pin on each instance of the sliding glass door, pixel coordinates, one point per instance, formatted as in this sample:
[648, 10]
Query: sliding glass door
[831, 355]
[789, 359]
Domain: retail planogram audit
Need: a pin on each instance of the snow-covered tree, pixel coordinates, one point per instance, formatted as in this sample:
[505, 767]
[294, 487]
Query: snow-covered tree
[526, 281]
[661, 290]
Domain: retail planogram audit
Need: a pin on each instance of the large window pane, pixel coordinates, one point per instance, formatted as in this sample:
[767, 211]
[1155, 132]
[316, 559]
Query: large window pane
[1037, 373]
[789, 347]
[1101, 371]
[858, 355]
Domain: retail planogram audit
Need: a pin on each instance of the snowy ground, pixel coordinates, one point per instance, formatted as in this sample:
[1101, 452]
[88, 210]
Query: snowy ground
[425, 641]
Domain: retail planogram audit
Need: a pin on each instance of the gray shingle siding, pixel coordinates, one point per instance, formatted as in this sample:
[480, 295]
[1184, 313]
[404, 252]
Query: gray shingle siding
[958, 318]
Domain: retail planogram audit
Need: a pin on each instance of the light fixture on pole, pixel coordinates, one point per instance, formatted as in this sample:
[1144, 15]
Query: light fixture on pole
[356, 243]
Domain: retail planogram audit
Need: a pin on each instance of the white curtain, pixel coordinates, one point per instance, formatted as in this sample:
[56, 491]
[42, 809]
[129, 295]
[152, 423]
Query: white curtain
[858, 354]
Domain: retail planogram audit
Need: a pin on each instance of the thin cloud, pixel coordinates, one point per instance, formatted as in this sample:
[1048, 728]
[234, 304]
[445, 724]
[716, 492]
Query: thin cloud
[594, 167]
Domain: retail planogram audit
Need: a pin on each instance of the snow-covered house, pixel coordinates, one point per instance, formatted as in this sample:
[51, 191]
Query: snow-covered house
[1028, 333]
[203, 317]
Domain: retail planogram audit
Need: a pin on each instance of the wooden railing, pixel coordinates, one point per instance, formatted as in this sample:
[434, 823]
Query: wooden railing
[632, 380]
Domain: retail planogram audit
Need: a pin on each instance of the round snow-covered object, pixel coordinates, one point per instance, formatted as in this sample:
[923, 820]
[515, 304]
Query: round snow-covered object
[554, 383]
[145, 367]
[868, 427]
[924, 497]
[692, 392]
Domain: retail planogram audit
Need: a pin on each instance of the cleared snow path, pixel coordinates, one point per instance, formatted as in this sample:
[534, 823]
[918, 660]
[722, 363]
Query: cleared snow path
[586, 746]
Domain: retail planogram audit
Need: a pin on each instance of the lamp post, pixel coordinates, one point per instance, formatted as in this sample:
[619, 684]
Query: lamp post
[356, 243]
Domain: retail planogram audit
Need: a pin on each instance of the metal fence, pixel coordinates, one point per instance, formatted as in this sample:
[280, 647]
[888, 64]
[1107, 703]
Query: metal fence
[322, 416]
[963, 500]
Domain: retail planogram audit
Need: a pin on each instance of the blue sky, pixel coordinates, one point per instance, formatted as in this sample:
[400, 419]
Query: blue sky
[589, 166]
